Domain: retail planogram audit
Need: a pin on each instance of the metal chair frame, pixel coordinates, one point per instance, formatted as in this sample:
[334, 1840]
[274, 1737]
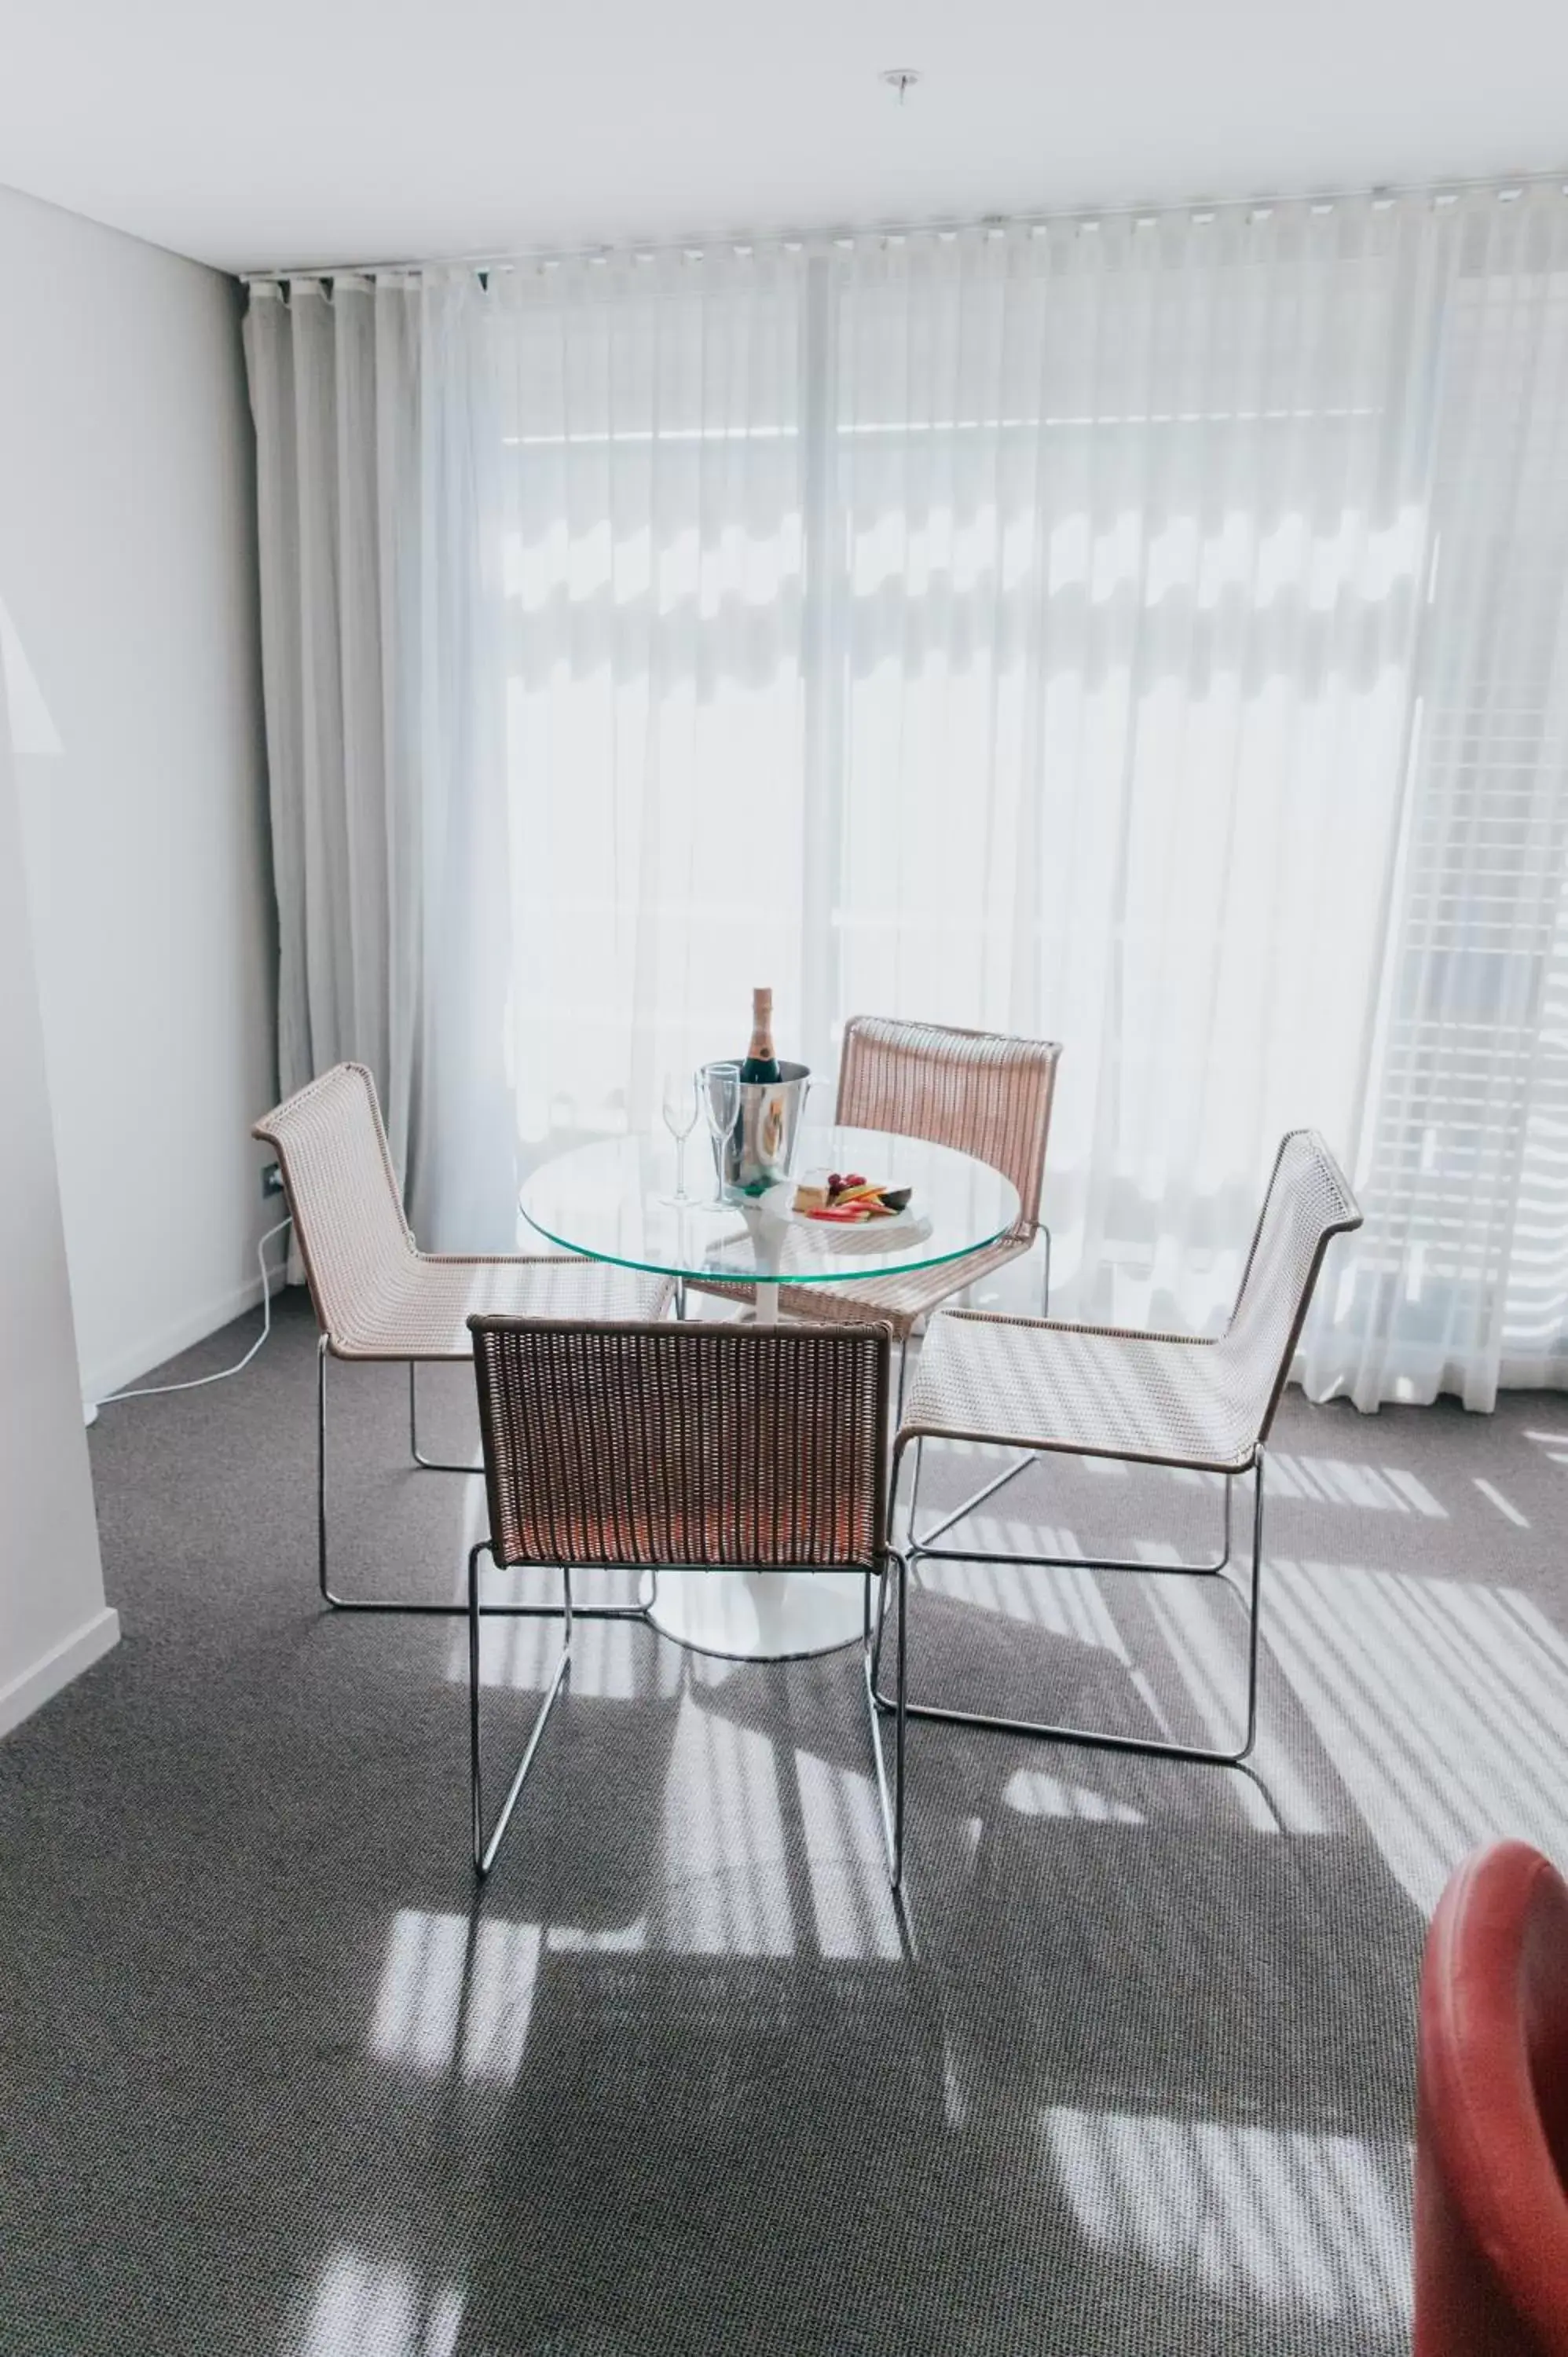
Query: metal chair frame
[1092, 1738]
[923, 1547]
[421, 1609]
[889, 1793]
[889, 1566]
[427, 1464]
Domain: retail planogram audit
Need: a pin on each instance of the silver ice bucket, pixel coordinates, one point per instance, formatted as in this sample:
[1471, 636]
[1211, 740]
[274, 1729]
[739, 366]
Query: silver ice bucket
[760, 1148]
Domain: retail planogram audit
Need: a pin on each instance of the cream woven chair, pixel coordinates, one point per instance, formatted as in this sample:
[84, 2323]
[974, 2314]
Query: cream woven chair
[723, 1446]
[376, 1295]
[1153, 1399]
[978, 1091]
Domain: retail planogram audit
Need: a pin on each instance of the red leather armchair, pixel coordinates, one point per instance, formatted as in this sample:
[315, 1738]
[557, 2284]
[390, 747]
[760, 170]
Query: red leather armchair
[1491, 2171]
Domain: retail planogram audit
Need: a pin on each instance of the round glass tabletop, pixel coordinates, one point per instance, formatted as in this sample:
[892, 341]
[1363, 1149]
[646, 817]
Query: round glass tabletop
[611, 1200]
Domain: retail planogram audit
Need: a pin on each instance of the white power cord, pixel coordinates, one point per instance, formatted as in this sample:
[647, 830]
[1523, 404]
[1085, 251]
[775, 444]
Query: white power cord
[157, 1391]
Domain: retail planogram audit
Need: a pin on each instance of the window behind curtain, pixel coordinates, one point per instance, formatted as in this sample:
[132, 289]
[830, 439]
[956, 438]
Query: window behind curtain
[1463, 1267]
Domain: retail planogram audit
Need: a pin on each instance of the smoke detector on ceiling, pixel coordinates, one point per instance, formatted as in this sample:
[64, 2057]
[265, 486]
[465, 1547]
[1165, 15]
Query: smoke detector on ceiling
[900, 80]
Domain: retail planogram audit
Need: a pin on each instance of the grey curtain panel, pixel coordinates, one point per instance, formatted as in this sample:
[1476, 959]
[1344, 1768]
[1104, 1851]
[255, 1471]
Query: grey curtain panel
[385, 712]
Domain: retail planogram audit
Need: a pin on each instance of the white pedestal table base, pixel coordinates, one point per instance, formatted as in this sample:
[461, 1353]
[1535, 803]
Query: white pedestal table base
[759, 1616]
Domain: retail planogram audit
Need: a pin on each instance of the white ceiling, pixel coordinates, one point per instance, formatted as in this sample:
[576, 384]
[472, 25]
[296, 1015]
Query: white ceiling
[337, 130]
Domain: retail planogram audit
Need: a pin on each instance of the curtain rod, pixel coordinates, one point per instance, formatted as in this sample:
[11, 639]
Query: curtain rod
[1505, 185]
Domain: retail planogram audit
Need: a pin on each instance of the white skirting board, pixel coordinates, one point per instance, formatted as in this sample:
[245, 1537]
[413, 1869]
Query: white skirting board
[61, 1665]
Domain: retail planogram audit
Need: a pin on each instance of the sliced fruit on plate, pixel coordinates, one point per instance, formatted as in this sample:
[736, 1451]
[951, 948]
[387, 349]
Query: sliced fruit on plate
[846, 1200]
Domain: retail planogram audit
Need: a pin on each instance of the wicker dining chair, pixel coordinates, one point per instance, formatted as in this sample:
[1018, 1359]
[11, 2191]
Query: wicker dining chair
[987, 1094]
[376, 1295]
[636, 1447]
[1200, 1405]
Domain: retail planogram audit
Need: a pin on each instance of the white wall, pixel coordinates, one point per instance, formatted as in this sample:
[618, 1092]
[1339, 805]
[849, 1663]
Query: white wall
[53, 1620]
[127, 569]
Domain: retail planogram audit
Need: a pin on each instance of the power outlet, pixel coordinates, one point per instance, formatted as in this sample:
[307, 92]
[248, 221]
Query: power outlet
[271, 1181]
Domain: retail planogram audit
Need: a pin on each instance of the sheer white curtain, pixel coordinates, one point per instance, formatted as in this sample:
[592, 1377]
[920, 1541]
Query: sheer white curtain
[654, 564]
[1147, 633]
[1133, 523]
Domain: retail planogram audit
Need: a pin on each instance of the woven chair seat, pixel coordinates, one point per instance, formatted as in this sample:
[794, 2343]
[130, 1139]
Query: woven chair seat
[1098, 1391]
[375, 1295]
[898, 1301]
[1022, 1382]
[419, 1306]
[744, 1447]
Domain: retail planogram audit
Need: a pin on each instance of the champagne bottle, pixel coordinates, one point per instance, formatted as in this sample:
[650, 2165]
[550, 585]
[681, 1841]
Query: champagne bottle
[761, 1063]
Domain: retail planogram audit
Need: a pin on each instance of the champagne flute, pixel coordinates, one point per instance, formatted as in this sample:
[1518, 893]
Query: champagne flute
[680, 1120]
[720, 1104]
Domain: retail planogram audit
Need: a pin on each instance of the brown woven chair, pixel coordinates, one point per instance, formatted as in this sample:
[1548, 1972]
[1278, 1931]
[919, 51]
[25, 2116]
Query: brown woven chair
[376, 1295]
[978, 1091]
[712, 1447]
[1153, 1399]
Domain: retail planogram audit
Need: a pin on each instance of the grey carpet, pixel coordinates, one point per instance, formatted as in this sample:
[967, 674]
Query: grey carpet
[1136, 2078]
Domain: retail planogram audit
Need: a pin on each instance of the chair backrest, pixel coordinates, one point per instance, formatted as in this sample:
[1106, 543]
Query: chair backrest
[341, 1190]
[979, 1091]
[643, 1444]
[1308, 1202]
[1491, 2147]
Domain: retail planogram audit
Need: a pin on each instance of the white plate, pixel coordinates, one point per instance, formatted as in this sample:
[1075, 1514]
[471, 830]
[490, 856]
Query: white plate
[903, 1228]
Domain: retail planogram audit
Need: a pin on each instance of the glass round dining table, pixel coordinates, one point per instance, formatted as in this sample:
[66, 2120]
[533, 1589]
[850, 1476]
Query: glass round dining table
[616, 1200]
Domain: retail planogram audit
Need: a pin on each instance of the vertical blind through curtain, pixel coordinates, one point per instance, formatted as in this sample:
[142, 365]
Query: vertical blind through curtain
[1149, 633]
